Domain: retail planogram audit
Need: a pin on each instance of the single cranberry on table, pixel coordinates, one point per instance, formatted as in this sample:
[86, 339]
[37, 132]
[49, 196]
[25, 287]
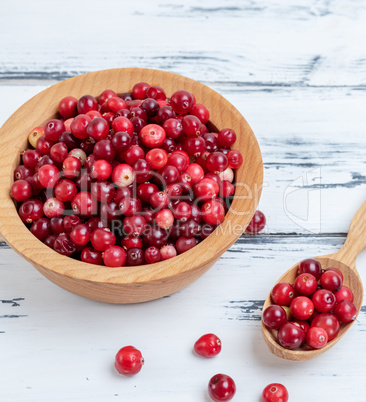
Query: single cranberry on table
[275, 393]
[257, 223]
[221, 387]
[208, 345]
[128, 361]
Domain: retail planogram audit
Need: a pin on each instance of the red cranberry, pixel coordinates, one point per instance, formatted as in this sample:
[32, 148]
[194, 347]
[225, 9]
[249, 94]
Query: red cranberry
[221, 388]
[98, 129]
[345, 311]
[152, 255]
[145, 191]
[95, 222]
[208, 345]
[114, 256]
[67, 107]
[182, 102]
[53, 207]
[22, 172]
[87, 103]
[201, 112]
[41, 228]
[191, 125]
[169, 174]
[80, 235]
[331, 280]
[155, 92]
[155, 236]
[290, 336]
[102, 238]
[217, 162]
[189, 228]
[143, 171]
[79, 126]
[123, 175]
[135, 256]
[329, 323]
[173, 128]
[59, 152]
[134, 225]
[50, 240]
[324, 300]
[316, 337]
[206, 189]
[122, 124]
[70, 221]
[53, 129]
[57, 225]
[103, 149]
[302, 308]
[43, 146]
[152, 136]
[21, 190]
[69, 140]
[71, 167]
[182, 212]
[184, 244]
[283, 293]
[101, 169]
[129, 361]
[31, 210]
[164, 218]
[84, 204]
[133, 154]
[159, 200]
[275, 393]
[63, 245]
[31, 157]
[274, 317]
[139, 90]
[306, 284]
[91, 256]
[337, 271]
[121, 141]
[196, 172]
[344, 293]
[114, 104]
[157, 158]
[226, 137]
[311, 266]
[130, 206]
[103, 191]
[213, 212]
[235, 159]
[165, 113]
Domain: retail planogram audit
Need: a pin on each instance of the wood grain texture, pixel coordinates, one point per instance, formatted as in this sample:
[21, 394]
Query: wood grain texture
[128, 284]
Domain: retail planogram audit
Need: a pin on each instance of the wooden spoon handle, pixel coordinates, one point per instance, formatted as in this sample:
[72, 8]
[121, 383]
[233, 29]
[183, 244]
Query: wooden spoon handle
[356, 239]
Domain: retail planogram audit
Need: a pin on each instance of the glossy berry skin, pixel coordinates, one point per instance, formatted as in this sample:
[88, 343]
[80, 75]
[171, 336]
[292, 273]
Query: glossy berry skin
[121, 141]
[226, 137]
[21, 190]
[101, 169]
[344, 293]
[191, 126]
[196, 172]
[63, 245]
[84, 204]
[173, 128]
[87, 103]
[155, 92]
[302, 308]
[306, 284]
[41, 228]
[134, 225]
[345, 311]
[167, 252]
[184, 244]
[217, 162]
[311, 266]
[290, 336]
[331, 280]
[152, 135]
[221, 388]
[257, 223]
[283, 293]
[164, 218]
[131, 241]
[324, 300]
[157, 158]
[59, 152]
[31, 210]
[128, 361]
[123, 175]
[79, 126]
[208, 345]
[48, 175]
[103, 190]
[275, 393]
[213, 212]
[71, 167]
[101, 239]
[206, 189]
[329, 323]
[201, 112]
[53, 207]
[80, 235]
[152, 255]
[70, 222]
[53, 129]
[135, 256]
[139, 90]
[67, 107]
[114, 256]
[339, 272]
[98, 129]
[235, 159]
[182, 102]
[91, 256]
[316, 337]
[274, 317]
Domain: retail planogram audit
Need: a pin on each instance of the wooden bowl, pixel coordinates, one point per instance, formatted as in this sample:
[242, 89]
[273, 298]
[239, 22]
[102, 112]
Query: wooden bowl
[127, 284]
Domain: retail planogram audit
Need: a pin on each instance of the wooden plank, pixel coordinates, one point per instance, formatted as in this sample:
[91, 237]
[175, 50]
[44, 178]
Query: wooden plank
[277, 43]
[44, 324]
[312, 140]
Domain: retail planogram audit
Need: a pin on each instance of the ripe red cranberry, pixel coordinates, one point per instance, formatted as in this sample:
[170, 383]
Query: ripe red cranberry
[101, 169]
[114, 104]
[174, 191]
[155, 92]
[31, 157]
[53, 129]
[139, 90]
[22, 172]
[151, 106]
[191, 125]
[184, 244]
[213, 212]
[208, 345]
[302, 308]
[69, 140]
[302, 324]
[168, 252]
[110, 211]
[143, 172]
[155, 236]
[189, 228]
[180, 160]
[84, 204]
[157, 158]
[201, 112]
[129, 361]
[102, 238]
[152, 255]
[221, 387]
[135, 256]
[53, 207]
[164, 113]
[274, 316]
[194, 146]
[130, 206]
[337, 271]
[139, 112]
[41, 228]
[206, 189]
[306, 284]
[21, 190]
[196, 172]
[159, 200]
[95, 222]
[123, 175]
[310, 266]
[63, 245]
[169, 174]
[217, 162]
[79, 126]
[71, 167]
[103, 149]
[67, 107]
[103, 191]
[316, 337]
[50, 240]
[122, 124]
[121, 141]
[331, 280]
[131, 241]
[134, 225]
[235, 159]
[91, 256]
[105, 95]
[345, 311]
[173, 128]
[290, 336]
[152, 136]
[182, 211]
[57, 225]
[98, 129]
[344, 293]
[87, 103]
[31, 210]
[114, 256]
[257, 223]
[59, 152]
[329, 323]
[324, 300]
[275, 393]
[169, 145]
[164, 218]
[226, 137]
[80, 235]
[145, 191]
[70, 221]
[134, 153]
[182, 102]
[48, 175]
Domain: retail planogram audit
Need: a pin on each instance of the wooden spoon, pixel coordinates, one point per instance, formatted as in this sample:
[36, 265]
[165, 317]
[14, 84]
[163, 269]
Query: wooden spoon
[345, 261]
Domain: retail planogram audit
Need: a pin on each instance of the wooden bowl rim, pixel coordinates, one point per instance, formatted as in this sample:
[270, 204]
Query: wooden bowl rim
[27, 245]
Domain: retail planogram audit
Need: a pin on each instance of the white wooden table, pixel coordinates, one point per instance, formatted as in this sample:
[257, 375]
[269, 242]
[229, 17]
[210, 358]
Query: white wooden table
[297, 72]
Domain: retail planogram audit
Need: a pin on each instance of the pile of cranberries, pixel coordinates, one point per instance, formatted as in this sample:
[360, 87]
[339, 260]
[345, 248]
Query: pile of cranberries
[221, 387]
[126, 179]
[309, 312]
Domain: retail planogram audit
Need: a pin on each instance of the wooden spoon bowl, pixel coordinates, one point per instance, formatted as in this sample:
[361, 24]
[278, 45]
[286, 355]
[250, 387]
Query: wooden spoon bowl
[345, 261]
[127, 284]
